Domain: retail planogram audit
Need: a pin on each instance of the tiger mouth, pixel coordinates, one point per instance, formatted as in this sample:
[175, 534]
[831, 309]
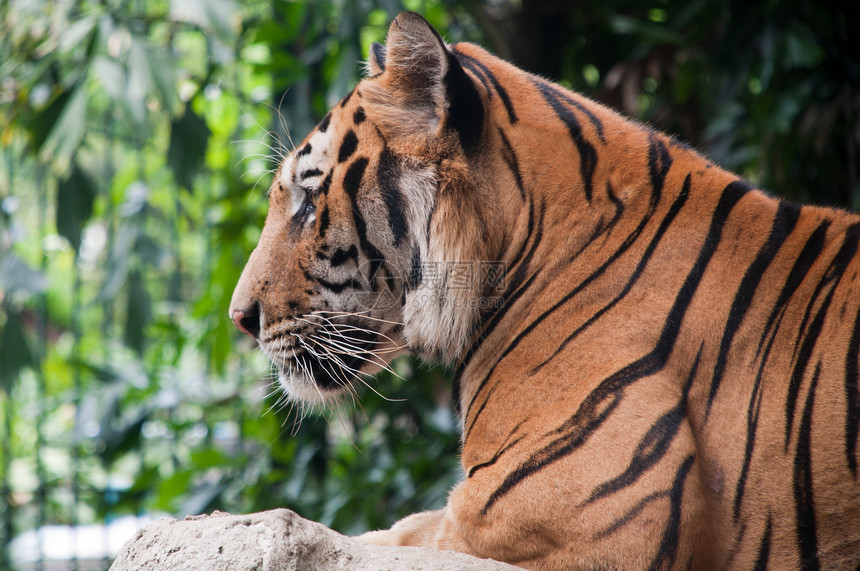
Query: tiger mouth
[331, 375]
[327, 362]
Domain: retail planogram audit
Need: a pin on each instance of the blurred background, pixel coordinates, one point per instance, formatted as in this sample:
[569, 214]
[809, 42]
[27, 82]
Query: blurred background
[136, 146]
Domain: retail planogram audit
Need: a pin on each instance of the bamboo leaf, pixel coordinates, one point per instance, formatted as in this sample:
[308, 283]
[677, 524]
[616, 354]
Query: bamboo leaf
[67, 133]
[189, 137]
[152, 72]
[75, 196]
[118, 262]
[77, 33]
[138, 313]
[14, 351]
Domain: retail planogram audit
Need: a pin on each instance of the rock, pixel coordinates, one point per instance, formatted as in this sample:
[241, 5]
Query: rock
[273, 540]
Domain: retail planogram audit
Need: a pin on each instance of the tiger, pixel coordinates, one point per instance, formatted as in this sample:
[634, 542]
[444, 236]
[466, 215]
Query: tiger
[655, 363]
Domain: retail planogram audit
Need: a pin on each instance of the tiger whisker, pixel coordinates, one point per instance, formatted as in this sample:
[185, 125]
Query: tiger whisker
[350, 327]
[341, 328]
[362, 315]
[356, 352]
[359, 376]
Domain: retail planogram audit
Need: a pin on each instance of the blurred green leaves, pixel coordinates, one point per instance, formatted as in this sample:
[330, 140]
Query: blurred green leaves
[16, 352]
[189, 137]
[17, 277]
[75, 195]
[65, 133]
[134, 165]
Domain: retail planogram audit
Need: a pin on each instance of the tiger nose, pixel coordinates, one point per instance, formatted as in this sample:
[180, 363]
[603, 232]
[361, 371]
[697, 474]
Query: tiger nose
[247, 321]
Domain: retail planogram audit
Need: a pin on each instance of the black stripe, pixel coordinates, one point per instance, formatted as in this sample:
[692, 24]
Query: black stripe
[619, 208]
[358, 117]
[752, 431]
[507, 444]
[565, 96]
[516, 278]
[335, 287]
[587, 153]
[807, 538]
[603, 228]
[631, 514]
[829, 275]
[388, 178]
[351, 184]
[342, 256]
[764, 547]
[325, 122]
[309, 173]
[304, 150]
[510, 158]
[783, 224]
[465, 112]
[482, 77]
[679, 202]
[484, 335]
[347, 146]
[470, 63]
[495, 318]
[804, 354]
[324, 185]
[518, 259]
[354, 175]
[517, 286]
[346, 99]
[659, 162]
[653, 446]
[668, 549]
[416, 271]
[600, 403]
[804, 262]
[852, 397]
[323, 220]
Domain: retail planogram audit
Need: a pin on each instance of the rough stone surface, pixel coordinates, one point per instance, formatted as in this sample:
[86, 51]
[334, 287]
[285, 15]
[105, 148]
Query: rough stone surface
[273, 540]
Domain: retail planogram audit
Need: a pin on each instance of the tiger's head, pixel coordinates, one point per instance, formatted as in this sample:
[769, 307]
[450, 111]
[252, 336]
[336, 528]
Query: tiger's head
[366, 219]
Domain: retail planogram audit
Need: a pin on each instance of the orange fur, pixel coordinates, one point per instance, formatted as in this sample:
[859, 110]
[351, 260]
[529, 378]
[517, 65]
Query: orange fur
[671, 377]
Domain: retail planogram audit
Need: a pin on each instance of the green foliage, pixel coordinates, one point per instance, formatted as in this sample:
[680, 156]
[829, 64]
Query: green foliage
[767, 89]
[137, 143]
[131, 193]
[75, 195]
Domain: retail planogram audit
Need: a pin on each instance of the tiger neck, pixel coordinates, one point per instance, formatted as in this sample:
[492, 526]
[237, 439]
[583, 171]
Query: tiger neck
[560, 253]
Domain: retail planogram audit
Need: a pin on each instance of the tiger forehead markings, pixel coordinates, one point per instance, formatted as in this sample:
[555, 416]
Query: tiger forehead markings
[657, 365]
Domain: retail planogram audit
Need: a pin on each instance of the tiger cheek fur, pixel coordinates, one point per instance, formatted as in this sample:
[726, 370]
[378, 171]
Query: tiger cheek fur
[656, 364]
[322, 292]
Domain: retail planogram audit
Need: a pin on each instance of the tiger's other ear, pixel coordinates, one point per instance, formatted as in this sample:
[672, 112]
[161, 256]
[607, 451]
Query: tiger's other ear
[376, 59]
[424, 85]
[416, 59]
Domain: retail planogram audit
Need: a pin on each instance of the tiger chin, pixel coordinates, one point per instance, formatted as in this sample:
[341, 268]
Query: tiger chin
[656, 364]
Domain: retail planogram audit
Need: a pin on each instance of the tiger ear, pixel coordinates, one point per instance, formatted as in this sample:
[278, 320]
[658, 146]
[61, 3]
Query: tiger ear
[376, 61]
[416, 53]
[425, 87]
